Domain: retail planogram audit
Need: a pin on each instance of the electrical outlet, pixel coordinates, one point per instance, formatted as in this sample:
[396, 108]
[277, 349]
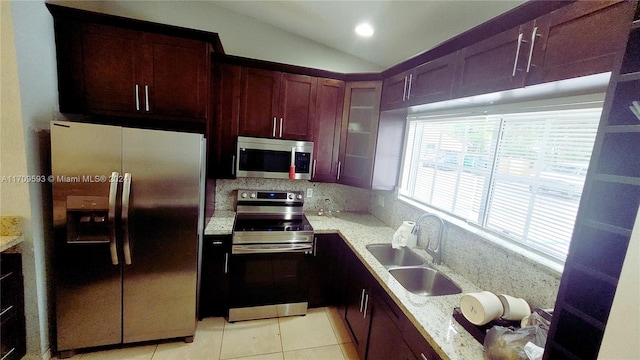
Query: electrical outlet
[310, 192]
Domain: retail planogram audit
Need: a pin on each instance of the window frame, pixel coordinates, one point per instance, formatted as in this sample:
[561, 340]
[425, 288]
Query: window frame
[479, 227]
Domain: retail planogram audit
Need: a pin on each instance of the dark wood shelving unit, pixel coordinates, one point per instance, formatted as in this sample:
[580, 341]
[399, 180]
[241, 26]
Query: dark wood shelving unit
[606, 217]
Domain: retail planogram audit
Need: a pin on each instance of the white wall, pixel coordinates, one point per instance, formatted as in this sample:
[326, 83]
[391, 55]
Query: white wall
[35, 103]
[240, 35]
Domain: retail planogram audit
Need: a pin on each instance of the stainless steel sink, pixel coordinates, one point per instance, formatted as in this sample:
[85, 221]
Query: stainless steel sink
[390, 257]
[425, 281]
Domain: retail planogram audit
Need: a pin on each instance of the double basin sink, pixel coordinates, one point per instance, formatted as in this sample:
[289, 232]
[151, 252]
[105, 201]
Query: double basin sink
[411, 271]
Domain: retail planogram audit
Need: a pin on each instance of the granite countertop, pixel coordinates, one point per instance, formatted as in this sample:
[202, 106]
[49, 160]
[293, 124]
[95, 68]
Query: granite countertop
[7, 242]
[432, 315]
[10, 233]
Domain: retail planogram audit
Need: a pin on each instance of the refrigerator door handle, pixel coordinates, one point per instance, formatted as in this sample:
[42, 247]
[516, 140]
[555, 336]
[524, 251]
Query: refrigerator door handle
[126, 192]
[113, 193]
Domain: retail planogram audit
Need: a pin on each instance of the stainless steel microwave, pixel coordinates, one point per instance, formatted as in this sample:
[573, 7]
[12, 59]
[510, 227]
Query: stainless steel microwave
[274, 158]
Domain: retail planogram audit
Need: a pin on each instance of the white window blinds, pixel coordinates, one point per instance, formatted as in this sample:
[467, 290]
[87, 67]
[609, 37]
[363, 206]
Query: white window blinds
[516, 174]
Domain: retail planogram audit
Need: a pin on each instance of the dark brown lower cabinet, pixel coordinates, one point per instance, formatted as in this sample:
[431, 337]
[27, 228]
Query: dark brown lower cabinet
[358, 308]
[326, 287]
[13, 334]
[214, 276]
[379, 328]
[386, 340]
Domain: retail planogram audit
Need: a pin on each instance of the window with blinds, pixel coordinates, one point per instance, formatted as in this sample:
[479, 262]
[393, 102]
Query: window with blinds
[516, 174]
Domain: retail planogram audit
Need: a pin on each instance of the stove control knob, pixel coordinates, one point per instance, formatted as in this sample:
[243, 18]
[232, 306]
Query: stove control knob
[299, 196]
[244, 195]
[253, 195]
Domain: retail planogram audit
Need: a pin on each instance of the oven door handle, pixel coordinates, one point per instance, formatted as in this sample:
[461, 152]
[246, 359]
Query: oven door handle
[272, 248]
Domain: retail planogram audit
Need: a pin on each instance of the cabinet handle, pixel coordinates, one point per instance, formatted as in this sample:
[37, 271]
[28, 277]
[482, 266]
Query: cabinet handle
[313, 171]
[137, 96]
[404, 90]
[423, 356]
[281, 121]
[146, 97]
[226, 263]
[515, 62]
[315, 245]
[534, 34]
[233, 165]
[409, 87]
[6, 310]
[366, 302]
[8, 354]
[339, 167]
[273, 132]
[362, 300]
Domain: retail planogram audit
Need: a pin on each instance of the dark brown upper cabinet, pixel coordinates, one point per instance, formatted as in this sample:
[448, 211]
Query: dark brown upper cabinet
[120, 71]
[327, 128]
[576, 40]
[277, 105]
[429, 82]
[361, 116]
[494, 64]
[223, 129]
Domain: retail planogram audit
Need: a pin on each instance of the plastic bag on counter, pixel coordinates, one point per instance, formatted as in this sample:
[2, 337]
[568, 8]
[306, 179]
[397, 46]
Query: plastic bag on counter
[505, 343]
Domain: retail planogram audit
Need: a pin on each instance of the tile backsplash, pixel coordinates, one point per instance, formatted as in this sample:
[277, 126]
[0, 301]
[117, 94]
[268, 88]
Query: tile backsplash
[342, 197]
[486, 264]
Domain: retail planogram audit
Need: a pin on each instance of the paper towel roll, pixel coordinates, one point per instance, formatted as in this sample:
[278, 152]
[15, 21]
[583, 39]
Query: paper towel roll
[481, 308]
[402, 237]
[514, 308]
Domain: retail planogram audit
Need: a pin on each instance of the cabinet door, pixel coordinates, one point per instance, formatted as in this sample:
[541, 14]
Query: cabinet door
[358, 303]
[106, 67]
[259, 102]
[577, 40]
[385, 337]
[297, 107]
[176, 74]
[223, 131]
[432, 81]
[326, 282]
[359, 133]
[214, 279]
[327, 128]
[495, 64]
[394, 91]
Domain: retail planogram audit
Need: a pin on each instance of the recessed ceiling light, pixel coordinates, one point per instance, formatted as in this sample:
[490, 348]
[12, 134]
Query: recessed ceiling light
[364, 29]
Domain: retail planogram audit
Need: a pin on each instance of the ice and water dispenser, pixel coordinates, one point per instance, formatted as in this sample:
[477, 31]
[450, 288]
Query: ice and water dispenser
[88, 219]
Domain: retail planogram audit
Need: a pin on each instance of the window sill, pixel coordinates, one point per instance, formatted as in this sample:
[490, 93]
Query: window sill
[552, 264]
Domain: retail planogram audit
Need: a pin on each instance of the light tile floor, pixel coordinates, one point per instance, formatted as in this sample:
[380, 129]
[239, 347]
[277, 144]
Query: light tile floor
[321, 334]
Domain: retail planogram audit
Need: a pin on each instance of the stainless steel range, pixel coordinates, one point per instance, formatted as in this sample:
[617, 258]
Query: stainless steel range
[272, 244]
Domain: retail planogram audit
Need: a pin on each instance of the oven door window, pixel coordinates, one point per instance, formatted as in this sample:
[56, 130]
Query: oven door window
[267, 279]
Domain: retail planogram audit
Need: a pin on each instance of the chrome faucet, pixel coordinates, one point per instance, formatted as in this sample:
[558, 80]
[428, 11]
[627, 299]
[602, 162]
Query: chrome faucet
[436, 252]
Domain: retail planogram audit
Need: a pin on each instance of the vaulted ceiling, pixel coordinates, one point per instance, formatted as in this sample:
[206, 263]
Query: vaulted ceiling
[402, 28]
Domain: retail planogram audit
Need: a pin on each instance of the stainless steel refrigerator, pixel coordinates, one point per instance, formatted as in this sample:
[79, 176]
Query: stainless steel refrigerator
[128, 221]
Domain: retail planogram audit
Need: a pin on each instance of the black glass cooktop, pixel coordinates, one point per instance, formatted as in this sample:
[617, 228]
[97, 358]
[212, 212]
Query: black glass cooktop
[256, 223]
